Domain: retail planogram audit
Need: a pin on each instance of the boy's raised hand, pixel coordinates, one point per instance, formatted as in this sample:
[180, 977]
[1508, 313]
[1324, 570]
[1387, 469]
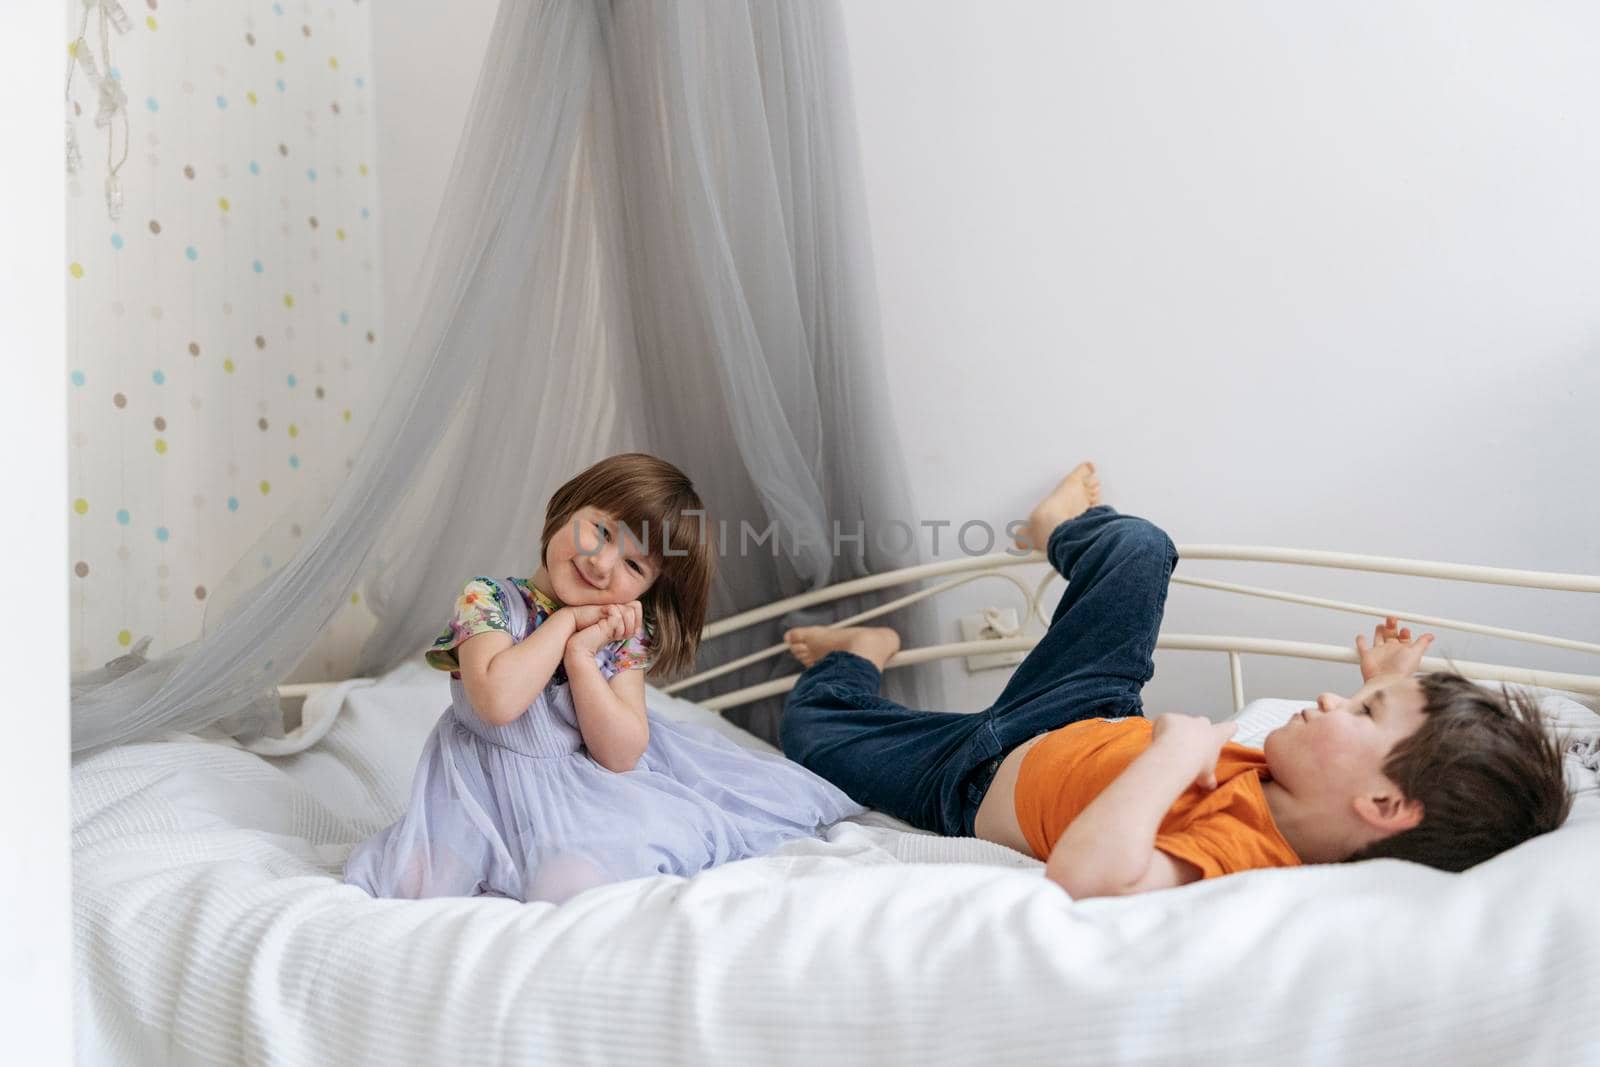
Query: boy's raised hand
[1392, 650]
[1196, 738]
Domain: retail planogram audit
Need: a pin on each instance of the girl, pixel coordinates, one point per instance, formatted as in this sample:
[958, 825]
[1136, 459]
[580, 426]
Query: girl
[547, 775]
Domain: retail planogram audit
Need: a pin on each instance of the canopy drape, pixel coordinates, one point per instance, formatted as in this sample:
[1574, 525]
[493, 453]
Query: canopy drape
[652, 238]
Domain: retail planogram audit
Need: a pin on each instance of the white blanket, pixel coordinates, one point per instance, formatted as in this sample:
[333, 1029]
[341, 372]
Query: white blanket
[211, 928]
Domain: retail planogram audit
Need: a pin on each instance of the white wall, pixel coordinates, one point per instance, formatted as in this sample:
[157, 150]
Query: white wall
[1310, 275]
[36, 972]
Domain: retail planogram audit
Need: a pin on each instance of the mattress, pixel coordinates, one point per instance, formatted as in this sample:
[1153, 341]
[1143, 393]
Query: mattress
[211, 927]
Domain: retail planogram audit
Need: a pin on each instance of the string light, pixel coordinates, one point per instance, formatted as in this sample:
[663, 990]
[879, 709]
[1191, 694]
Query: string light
[112, 102]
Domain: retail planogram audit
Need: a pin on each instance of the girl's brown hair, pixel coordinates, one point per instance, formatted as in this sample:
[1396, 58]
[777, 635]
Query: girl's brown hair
[652, 500]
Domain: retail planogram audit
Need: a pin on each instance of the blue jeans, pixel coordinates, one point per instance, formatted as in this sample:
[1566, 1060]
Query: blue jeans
[931, 768]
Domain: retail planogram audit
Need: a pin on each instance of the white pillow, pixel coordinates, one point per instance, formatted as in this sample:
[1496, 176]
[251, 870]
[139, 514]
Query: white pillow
[1575, 726]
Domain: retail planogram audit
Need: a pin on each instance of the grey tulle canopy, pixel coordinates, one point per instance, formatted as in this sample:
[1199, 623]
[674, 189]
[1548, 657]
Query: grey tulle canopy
[653, 239]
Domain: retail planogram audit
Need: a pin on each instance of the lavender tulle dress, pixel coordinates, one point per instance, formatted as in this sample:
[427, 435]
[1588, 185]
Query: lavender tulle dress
[523, 811]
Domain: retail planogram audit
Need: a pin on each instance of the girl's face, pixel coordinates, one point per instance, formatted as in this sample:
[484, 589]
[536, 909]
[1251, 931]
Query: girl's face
[591, 561]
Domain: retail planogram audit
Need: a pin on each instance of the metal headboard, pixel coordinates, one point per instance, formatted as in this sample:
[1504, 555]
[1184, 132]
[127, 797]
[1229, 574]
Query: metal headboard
[954, 573]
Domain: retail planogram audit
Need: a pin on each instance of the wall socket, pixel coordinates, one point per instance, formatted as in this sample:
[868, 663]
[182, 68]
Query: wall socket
[988, 626]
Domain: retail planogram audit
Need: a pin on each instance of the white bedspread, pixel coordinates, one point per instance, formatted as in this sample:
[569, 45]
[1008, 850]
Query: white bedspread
[211, 928]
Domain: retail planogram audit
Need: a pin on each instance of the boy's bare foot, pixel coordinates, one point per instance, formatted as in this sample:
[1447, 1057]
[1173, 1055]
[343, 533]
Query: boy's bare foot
[1078, 492]
[810, 643]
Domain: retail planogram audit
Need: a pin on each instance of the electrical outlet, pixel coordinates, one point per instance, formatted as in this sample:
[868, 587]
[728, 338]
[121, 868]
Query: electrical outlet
[986, 626]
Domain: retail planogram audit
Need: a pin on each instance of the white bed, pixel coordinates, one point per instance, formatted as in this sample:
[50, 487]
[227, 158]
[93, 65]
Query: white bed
[211, 928]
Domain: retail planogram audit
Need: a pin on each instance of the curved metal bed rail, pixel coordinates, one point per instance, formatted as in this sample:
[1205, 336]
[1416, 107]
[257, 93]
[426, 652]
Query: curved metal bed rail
[1456, 572]
[997, 565]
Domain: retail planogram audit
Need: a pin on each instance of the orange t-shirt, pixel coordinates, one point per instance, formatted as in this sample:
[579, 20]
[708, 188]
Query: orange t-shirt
[1224, 830]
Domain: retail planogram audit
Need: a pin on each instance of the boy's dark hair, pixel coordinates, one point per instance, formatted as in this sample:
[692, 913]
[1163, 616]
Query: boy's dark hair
[1484, 767]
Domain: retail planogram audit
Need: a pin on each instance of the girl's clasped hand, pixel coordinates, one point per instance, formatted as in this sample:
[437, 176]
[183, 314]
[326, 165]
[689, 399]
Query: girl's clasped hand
[597, 625]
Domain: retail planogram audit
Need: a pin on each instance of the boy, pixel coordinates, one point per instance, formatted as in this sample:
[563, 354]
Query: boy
[1063, 766]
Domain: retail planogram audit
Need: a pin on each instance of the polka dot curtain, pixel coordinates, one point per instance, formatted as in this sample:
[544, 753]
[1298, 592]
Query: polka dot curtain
[222, 343]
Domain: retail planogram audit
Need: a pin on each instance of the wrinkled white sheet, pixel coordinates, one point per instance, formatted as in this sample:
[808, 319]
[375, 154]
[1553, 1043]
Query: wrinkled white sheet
[211, 928]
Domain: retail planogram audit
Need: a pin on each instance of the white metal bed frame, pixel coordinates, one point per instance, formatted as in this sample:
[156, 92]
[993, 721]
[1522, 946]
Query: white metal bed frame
[998, 565]
[959, 572]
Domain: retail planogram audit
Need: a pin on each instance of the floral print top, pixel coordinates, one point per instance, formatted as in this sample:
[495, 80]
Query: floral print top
[482, 607]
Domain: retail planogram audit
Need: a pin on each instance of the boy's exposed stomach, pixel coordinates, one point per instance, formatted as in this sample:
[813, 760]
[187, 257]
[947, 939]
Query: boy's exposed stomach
[997, 815]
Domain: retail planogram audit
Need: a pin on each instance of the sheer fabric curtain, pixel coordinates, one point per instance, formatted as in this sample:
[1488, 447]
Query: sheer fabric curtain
[652, 238]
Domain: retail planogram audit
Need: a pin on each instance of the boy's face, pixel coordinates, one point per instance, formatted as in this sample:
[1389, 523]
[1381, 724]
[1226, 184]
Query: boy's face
[1331, 755]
